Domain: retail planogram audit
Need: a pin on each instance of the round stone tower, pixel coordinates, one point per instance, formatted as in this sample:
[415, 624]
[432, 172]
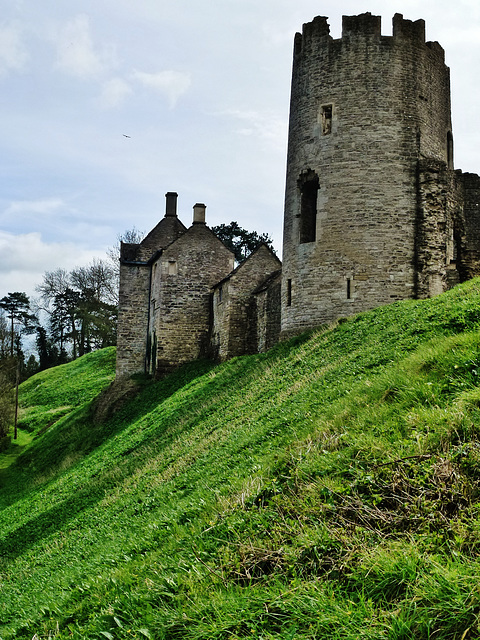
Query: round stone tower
[370, 141]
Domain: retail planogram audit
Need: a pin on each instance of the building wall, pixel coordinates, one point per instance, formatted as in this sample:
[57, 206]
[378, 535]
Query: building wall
[469, 229]
[134, 290]
[364, 110]
[132, 319]
[267, 309]
[182, 279]
[235, 329]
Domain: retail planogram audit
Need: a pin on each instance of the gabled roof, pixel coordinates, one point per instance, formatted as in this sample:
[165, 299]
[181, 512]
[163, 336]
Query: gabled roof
[247, 259]
[169, 229]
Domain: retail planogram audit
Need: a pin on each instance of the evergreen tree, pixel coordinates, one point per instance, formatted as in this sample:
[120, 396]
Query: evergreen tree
[240, 241]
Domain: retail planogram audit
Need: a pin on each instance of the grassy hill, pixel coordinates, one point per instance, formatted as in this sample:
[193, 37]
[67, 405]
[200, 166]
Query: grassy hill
[326, 489]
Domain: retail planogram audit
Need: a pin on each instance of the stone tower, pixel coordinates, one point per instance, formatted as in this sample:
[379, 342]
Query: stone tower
[371, 196]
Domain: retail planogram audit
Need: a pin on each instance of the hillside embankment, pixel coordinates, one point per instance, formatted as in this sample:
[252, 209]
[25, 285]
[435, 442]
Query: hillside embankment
[326, 489]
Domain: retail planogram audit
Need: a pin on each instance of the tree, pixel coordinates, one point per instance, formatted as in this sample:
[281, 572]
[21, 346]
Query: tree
[241, 241]
[133, 236]
[82, 307]
[17, 307]
[63, 316]
[47, 351]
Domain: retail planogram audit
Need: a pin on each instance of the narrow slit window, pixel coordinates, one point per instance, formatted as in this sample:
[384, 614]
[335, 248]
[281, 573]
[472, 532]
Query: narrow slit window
[326, 119]
[289, 293]
[450, 150]
[349, 289]
[309, 187]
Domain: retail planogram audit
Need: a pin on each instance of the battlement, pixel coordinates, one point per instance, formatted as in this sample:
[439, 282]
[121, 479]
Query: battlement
[364, 25]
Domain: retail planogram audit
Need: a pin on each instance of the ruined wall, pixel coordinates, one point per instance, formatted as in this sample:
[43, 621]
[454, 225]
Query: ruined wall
[182, 280]
[235, 330]
[439, 219]
[364, 110]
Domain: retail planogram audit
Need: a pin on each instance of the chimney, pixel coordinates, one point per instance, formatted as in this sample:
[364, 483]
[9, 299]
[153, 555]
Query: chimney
[171, 204]
[199, 213]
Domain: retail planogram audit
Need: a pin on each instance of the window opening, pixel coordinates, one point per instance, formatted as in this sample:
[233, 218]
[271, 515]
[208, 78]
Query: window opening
[309, 187]
[220, 293]
[172, 268]
[450, 150]
[349, 289]
[289, 293]
[326, 119]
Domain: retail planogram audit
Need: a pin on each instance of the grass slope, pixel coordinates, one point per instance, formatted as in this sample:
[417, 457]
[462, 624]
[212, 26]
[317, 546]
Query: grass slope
[327, 489]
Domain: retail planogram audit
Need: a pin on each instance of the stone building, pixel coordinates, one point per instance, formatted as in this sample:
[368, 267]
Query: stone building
[181, 299]
[246, 310]
[374, 210]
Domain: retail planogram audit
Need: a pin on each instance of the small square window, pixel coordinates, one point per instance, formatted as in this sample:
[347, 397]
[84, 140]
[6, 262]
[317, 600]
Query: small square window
[326, 112]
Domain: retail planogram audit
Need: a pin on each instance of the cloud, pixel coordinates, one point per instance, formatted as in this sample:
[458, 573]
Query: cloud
[42, 206]
[13, 53]
[114, 93]
[172, 84]
[266, 125]
[76, 53]
[24, 258]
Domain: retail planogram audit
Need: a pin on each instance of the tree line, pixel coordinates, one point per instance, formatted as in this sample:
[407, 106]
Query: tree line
[75, 313]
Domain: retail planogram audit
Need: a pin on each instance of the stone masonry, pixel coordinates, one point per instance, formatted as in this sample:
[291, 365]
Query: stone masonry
[236, 326]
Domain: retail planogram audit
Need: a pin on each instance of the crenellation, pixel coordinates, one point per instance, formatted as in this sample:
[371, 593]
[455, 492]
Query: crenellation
[363, 26]
[408, 29]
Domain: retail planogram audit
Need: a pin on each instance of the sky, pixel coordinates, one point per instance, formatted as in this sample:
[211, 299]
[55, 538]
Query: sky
[105, 105]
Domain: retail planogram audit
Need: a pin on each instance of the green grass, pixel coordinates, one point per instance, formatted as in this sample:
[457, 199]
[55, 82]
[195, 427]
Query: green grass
[326, 489]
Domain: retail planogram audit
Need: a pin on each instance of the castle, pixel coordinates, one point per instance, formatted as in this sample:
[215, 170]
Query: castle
[374, 210]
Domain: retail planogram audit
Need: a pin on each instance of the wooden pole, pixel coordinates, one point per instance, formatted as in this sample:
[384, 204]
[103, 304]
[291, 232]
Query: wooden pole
[17, 382]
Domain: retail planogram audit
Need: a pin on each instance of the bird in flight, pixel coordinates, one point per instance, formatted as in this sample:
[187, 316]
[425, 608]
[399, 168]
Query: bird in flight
[125, 136]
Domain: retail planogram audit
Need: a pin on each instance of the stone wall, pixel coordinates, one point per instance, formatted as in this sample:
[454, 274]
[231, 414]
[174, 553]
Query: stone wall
[182, 279]
[134, 292]
[132, 319]
[235, 330]
[267, 311]
[469, 233]
[439, 215]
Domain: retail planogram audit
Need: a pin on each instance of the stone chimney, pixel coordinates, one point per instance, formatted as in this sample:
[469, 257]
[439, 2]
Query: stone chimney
[171, 204]
[199, 213]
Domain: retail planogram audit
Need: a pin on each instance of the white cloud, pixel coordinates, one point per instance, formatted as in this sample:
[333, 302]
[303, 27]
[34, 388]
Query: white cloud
[76, 53]
[13, 53]
[24, 258]
[114, 93]
[266, 125]
[42, 206]
[173, 84]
